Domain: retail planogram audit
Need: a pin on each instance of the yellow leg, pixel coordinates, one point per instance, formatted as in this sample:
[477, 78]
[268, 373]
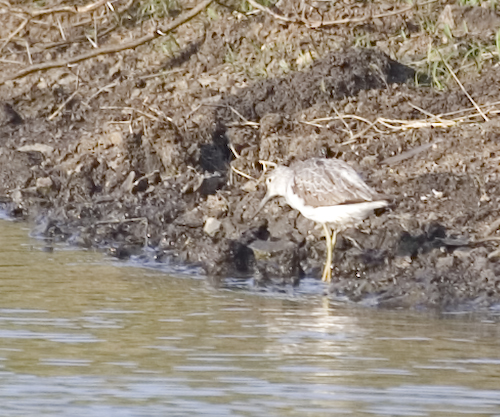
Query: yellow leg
[331, 240]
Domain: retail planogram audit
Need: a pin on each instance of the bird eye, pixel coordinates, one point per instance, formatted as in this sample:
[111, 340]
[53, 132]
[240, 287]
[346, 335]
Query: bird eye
[268, 180]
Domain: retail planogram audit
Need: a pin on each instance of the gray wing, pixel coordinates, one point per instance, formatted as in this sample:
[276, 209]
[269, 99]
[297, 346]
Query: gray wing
[329, 182]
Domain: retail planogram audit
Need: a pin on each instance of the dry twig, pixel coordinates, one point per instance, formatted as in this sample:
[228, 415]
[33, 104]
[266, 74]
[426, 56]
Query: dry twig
[395, 125]
[19, 29]
[463, 88]
[317, 24]
[409, 154]
[342, 119]
[59, 109]
[246, 122]
[63, 9]
[361, 19]
[493, 228]
[269, 11]
[241, 173]
[106, 87]
[131, 110]
[31, 14]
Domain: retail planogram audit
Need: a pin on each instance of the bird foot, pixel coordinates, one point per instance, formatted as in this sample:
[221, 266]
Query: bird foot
[327, 274]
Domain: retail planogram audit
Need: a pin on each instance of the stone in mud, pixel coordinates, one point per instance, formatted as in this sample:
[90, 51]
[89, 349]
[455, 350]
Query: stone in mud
[44, 185]
[212, 226]
[215, 156]
[10, 116]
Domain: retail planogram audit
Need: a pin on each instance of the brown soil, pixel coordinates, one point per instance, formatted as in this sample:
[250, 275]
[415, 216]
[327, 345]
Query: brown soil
[156, 155]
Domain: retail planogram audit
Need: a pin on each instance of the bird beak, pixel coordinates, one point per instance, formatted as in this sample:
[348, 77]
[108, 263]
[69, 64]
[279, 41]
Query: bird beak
[262, 204]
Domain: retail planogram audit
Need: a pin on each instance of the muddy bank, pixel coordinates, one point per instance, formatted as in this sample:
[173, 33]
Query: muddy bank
[168, 167]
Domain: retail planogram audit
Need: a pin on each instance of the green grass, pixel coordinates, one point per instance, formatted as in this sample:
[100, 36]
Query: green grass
[168, 45]
[465, 53]
[466, 59]
[157, 8]
[245, 7]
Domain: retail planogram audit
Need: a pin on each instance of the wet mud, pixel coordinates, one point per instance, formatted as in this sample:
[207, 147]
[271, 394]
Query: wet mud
[168, 168]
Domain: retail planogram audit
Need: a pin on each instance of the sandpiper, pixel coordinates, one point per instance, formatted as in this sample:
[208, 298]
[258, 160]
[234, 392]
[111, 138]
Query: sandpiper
[327, 191]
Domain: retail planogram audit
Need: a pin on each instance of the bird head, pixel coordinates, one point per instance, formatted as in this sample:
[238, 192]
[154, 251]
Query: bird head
[276, 184]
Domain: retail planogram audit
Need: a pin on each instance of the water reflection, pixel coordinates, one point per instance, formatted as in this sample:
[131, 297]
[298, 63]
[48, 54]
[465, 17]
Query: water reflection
[83, 335]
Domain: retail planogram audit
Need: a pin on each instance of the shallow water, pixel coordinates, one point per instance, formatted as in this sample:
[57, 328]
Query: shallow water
[84, 335]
